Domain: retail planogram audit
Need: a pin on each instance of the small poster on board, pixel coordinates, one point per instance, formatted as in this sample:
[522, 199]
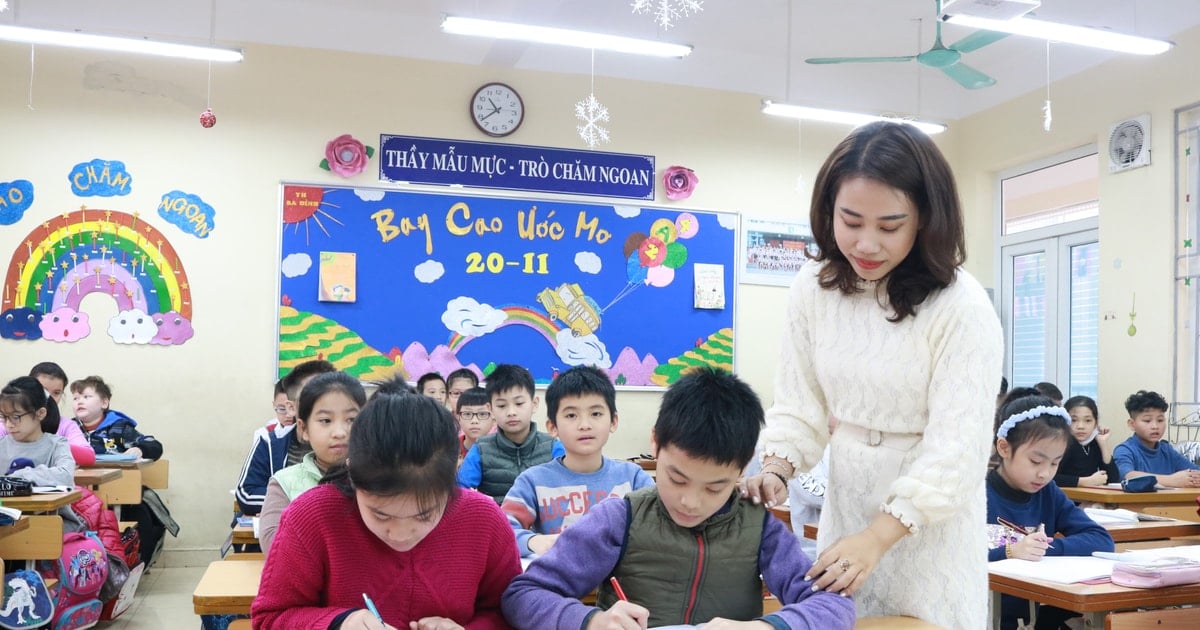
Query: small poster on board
[337, 277]
[773, 250]
[710, 286]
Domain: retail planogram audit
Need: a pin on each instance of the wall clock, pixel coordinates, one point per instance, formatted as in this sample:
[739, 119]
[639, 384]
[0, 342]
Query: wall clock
[497, 109]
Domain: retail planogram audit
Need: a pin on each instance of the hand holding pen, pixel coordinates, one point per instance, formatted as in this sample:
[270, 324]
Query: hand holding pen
[368, 619]
[1032, 547]
[623, 615]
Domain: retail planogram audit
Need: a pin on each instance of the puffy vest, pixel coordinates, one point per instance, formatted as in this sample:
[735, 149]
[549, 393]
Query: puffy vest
[689, 576]
[295, 480]
[500, 461]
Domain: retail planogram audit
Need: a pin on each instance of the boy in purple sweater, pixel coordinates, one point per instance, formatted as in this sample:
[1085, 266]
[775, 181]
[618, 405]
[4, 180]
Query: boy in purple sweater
[546, 499]
[686, 551]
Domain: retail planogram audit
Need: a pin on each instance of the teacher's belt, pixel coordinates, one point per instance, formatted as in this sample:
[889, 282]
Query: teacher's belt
[875, 437]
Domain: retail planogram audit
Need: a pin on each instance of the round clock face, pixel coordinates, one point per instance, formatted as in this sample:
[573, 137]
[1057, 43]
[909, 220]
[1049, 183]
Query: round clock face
[497, 109]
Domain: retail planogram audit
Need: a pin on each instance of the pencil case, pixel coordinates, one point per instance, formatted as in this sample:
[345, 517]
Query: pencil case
[1145, 483]
[1162, 572]
[15, 487]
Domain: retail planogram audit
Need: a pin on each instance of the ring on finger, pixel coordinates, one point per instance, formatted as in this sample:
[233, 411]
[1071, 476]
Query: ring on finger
[845, 565]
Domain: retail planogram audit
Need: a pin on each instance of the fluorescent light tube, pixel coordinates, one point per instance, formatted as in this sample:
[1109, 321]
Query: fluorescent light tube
[845, 118]
[119, 44]
[1066, 34]
[561, 37]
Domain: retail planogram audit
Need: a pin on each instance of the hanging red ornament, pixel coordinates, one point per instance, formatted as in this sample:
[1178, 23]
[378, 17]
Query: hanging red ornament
[208, 118]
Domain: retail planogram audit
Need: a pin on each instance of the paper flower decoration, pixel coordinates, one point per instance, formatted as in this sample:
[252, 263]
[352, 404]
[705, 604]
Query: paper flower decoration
[208, 118]
[679, 181]
[346, 156]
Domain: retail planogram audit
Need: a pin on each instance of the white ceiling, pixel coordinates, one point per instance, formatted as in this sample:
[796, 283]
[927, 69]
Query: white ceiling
[740, 45]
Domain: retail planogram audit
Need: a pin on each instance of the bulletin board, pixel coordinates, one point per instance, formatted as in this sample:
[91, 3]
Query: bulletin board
[377, 279]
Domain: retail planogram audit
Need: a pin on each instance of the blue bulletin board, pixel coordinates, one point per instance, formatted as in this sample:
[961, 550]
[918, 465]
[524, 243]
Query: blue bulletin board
[374, 279]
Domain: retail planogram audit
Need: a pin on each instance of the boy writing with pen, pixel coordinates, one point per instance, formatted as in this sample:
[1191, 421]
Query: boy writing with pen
[687, 551]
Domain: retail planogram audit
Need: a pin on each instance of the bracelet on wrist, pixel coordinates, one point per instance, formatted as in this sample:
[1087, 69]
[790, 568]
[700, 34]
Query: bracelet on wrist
[1008, 551]
[781, 477]
[781, 465]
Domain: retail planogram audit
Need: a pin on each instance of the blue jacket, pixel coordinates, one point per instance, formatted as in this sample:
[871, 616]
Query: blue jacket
[1132, 455]
[267, 455]
[118, 433]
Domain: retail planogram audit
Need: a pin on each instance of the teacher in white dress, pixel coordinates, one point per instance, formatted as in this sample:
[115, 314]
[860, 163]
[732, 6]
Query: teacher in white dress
[889, 335]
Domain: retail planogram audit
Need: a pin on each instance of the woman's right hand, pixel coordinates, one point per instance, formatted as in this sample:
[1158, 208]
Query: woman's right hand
[364, 620]
[765, 488]
[622, 616]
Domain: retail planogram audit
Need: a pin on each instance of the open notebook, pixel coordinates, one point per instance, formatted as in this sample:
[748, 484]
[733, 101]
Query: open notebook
[1061, 569]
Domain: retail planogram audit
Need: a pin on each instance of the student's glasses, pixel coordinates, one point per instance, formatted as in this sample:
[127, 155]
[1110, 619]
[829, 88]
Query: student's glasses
[13, 419]
[471, 415]
[281, 410]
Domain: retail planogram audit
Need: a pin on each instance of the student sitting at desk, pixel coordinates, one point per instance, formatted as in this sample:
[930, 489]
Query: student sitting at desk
[688, 550]
[1026, 509]
[1145, 452]
[53, 380]
[27, 451]
[1089, 459]
[109, 431]
[392, 526]
[328, 406]
[548, 498]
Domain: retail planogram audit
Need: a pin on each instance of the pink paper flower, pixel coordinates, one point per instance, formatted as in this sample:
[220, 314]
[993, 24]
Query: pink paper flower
[346, 156]
[679, 181]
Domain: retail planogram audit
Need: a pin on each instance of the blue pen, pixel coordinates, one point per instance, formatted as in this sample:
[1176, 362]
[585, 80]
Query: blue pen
[371, 607]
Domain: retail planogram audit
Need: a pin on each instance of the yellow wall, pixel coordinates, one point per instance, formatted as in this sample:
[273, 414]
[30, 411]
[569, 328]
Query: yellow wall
[276, 111]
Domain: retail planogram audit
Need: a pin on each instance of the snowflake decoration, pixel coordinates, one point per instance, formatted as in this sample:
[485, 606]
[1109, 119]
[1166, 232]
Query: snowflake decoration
[3, 5]
[590, 112]
[666, 12]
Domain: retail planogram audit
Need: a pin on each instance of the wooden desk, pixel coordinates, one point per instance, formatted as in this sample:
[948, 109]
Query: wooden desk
[227, 588]
[810, 530]
[894, 623]
[1092, 600]
[1152, 530]
[244, 535]
[1177, 503]
[127, 489]
[43, 502]
[783, 513]
[92, 477]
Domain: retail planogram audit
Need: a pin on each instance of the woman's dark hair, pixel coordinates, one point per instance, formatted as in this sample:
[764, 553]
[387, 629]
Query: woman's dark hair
[51, 369]
[25, 392]
[1037, 428]
[1082, 401]
[401, 444]
[904, 158]
[324, 383]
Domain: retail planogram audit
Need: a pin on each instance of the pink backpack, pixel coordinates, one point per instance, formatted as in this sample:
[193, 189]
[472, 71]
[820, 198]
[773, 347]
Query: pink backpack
[81, 570]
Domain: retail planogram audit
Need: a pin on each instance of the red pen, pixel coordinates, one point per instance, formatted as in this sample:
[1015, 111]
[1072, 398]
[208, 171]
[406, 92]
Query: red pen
[617, 587]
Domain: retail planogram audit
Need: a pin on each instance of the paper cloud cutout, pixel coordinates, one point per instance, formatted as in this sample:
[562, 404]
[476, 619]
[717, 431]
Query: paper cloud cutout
[585, 350]
[727, 221]
[627, 211]
[469, 318]
[588, 262]
[368, 195]
[100, 178]
[132, 326]
[15, 198]
[188, 212]
[429, 271]
[65, 324]
[173, 329]
[21, 323]
[296, 265]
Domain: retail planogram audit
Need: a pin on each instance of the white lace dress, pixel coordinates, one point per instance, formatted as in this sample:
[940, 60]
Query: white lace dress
[927, 387]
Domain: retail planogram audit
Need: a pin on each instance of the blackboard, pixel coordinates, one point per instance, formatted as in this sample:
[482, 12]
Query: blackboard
[427, 281]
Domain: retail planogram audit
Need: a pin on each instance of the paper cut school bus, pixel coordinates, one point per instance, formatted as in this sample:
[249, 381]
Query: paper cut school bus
[569, 304]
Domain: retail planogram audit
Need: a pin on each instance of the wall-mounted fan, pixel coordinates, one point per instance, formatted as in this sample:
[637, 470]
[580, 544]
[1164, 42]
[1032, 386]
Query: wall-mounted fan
[948, 59]
[1129, 144]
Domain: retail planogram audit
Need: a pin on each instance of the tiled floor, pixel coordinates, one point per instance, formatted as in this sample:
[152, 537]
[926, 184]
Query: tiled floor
[163, 601]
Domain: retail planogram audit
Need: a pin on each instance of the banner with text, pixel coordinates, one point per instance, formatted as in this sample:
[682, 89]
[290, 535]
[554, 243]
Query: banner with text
[417, 160]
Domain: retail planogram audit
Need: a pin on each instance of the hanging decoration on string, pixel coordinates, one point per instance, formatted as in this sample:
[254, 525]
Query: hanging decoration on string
[667, 12]
[592, 113]
[1047, 118]
[207, 117]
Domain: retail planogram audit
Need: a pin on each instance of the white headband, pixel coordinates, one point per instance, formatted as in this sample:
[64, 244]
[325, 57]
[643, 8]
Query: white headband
[1012, 420]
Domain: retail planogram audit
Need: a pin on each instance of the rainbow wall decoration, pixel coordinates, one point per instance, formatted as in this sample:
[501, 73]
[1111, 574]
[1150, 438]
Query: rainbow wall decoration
[88, 251]
[517, 316]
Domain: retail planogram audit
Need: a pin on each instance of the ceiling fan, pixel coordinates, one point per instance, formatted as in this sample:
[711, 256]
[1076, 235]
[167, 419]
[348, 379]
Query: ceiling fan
[948, 59]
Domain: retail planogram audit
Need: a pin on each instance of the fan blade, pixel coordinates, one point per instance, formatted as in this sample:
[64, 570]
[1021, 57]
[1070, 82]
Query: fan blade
[977, 40]
[968, 77]
[824, 60]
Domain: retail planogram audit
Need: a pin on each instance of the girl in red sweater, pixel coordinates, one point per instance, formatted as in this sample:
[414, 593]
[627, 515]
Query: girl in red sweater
[392, 525]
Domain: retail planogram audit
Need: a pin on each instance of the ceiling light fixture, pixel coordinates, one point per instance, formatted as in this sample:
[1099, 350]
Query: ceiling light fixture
[118, 44]
[1064, 33]
[843, 117]
[561, 37]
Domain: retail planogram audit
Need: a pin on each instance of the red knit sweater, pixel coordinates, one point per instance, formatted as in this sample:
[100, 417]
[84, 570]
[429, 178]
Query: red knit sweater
[324, 558]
